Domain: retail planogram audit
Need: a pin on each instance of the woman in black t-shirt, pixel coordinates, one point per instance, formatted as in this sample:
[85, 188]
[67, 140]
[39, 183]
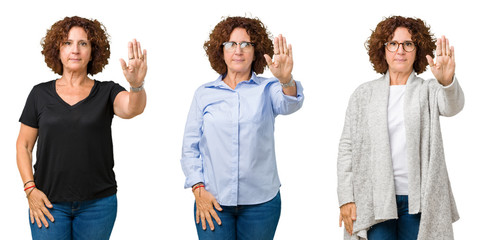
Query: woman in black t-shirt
[72, 194]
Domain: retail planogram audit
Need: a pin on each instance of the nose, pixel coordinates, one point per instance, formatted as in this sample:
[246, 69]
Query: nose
[238, 49]
[400, 49]
[75, 48]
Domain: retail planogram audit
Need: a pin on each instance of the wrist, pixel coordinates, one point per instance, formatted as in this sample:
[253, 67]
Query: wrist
[288, 83]
[28, 183]
[137, 88]
[197, 186]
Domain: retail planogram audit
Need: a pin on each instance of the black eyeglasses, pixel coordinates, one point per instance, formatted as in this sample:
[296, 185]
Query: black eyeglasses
[408, 46]
[232, 46]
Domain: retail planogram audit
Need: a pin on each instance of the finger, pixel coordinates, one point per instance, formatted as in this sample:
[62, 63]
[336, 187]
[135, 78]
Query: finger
[452, 54]
[348, 224]
[31, 217]
[284, 42]
[145, 56]
[353, 213]
[131, 51]
[268, 60]
[135, 48]
[37, 220]
[217, 206]
[123, 64]
[202, 219]
[48, 214]
[281, 44]
[215, 216]
[290, 51]
[276, 46]
[44, 220]
[209, 220]
[438, 47]
[139, 48]
[448, 49]
[443, 46]
[340, 220]
[430, 61]
[47, 202]
[197, 216]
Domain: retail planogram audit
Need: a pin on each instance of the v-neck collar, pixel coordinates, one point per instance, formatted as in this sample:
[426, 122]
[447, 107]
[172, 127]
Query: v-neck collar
[77, 103]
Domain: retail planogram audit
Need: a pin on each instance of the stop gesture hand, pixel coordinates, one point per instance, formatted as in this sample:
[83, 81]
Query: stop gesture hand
[283, 63]
[137, 69]
[443, 69]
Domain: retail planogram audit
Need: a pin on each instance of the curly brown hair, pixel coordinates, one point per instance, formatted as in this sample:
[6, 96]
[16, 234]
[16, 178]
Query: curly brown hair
[221, 33]
[58, 33]
[421, 36]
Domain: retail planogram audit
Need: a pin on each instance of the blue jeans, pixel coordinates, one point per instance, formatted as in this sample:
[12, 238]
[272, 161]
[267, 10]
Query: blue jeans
[84, 220]
[406, 227]
[244, 222]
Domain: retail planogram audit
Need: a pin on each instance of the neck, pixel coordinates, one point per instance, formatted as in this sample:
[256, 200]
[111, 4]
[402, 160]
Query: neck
[233, 78]
[399, 78]
[74, 78]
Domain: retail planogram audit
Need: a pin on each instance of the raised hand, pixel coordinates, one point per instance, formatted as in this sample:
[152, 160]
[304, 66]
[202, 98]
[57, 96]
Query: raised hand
[282, 65]
[443, 69]
[137, 69]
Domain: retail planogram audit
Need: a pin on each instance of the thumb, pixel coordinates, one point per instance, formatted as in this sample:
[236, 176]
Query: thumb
[47, 202]
[430, 61]
[268, 60]
[123, 64]
[217, 206]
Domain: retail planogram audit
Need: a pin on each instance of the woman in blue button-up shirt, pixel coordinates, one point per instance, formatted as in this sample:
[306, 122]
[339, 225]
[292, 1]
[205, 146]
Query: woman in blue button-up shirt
[228, 152]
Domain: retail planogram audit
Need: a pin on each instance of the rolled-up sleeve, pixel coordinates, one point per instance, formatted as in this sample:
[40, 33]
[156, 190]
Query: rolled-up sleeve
[191, 160]
[285, 104]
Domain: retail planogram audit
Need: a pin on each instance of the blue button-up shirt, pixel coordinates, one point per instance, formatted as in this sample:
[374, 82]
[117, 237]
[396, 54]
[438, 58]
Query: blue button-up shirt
[229, 139]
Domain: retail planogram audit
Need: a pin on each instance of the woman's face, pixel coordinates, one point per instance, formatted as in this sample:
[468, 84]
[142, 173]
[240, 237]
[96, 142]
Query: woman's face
[75, 51]
[400, 61]
[239, 60]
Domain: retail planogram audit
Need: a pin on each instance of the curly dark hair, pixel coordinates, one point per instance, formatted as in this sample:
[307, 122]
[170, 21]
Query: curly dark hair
[221, 33]
[384, 32]
[58, 33]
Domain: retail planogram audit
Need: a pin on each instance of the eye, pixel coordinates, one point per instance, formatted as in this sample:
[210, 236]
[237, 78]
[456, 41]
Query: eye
[408, 44]
[244, 44]
[67, 43]
[83, 44]
[393, 44]
[229, 44]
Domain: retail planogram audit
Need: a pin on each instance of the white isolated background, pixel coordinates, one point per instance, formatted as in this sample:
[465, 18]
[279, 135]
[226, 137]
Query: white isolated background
[330, 60]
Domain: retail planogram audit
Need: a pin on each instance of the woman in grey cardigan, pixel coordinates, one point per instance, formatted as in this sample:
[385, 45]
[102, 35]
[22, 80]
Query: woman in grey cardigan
[392, 177]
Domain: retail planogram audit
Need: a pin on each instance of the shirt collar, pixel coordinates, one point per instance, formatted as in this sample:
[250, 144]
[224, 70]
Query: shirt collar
[219, 83]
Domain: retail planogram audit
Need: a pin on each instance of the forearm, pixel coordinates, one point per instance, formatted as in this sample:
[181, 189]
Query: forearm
[137, 102]
[24, 164]
[289, 90]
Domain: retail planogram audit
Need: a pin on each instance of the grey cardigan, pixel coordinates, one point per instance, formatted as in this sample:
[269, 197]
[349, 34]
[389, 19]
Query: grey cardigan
[365, 174]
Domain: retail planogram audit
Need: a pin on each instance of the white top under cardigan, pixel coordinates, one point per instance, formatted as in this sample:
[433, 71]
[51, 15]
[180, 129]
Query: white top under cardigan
[365, 172]
[397, 138]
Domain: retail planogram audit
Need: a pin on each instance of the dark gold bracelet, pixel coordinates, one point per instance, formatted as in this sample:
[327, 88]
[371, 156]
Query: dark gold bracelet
[29, 181]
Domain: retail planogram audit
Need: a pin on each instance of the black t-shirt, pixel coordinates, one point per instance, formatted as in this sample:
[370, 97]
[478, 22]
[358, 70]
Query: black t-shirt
[74, 150]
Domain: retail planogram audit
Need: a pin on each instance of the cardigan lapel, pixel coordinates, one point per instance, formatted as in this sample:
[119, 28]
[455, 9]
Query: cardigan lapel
[384, 196]
[412, 123]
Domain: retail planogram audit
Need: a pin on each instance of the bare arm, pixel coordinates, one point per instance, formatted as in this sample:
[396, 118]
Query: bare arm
[130, 104]
[37, 200]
